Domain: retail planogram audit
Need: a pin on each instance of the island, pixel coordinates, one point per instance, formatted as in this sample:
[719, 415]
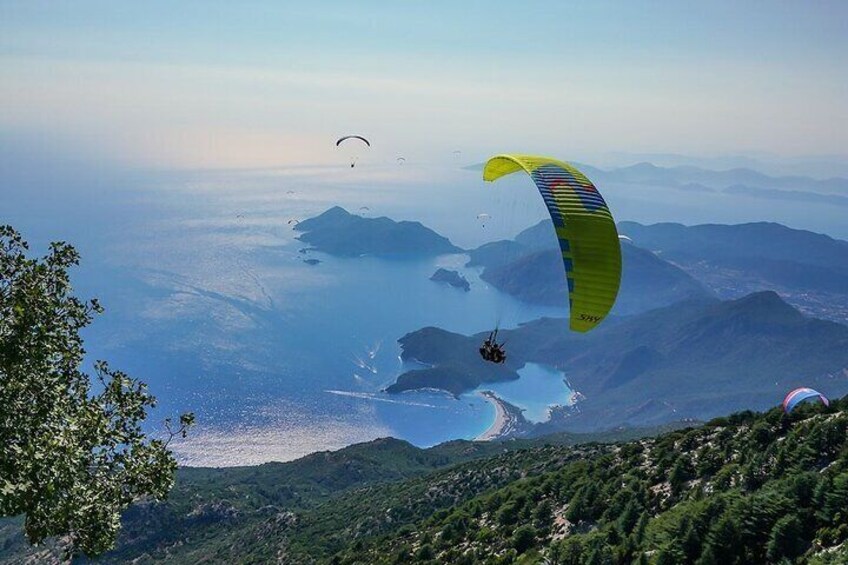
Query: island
[338, 232]
[451, 278]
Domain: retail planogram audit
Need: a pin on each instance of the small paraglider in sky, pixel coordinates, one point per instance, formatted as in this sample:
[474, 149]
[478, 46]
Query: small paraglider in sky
[622, 237]
[293, 221]
[364, 209]
[800, 395]
[457, 154]
[354, 145]
[483, 218]
[290, 192]
[401, 160]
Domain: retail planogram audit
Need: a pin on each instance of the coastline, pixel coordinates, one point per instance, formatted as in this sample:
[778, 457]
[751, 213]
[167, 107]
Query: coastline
[509, 420]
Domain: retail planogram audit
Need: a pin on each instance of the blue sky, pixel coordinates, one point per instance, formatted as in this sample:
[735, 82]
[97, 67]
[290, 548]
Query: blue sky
[243, 84]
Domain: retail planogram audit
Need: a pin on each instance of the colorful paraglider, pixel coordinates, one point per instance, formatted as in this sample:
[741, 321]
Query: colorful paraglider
[584, 226]
[354, 145]
[800, 395]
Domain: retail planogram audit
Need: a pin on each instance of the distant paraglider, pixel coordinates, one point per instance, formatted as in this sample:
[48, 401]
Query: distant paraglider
[585, 228]
[483, 218]
[401, 160]
[354, 144]
[800, 395]
[346, 137]
[622, 237]
[293, 221]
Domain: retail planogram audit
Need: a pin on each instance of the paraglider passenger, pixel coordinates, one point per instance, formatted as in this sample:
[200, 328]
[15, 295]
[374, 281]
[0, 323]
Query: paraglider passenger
[491, 350]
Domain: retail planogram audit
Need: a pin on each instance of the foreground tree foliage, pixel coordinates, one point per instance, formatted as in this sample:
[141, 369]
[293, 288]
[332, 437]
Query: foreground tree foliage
[73, 456]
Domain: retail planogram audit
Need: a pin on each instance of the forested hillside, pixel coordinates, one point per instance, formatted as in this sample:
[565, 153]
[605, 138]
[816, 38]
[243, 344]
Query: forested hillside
[749, 488]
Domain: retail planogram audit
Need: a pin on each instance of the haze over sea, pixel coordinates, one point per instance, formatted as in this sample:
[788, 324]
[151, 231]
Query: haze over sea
[209, 301]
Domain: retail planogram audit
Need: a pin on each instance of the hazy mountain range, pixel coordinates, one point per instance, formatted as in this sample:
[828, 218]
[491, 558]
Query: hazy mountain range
[648, 173]
[670, 262]
[808, 269]
[530, 268]
[695, 359]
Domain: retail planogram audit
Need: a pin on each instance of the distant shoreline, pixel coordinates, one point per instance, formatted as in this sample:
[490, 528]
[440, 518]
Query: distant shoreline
[508, 419]
[494, 430]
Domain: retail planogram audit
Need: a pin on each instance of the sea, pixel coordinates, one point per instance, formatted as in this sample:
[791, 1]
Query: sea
[210, 299]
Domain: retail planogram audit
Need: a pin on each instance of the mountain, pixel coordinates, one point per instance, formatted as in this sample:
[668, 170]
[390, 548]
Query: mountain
[683, 175]
[790, 195]
[822, 166]
[208, 505]
[748, 488]
[766, 240]
[530, 269]
[338, 232]
[808, 269]
[647, 281]
[695, 359]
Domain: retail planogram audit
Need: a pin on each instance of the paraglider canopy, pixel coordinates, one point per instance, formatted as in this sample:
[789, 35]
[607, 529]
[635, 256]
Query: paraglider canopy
[359, 137]
[354, 145]
[584, 226]
[800, 395]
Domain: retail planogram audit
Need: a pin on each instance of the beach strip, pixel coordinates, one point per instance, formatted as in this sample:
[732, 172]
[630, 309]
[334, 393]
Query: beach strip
[498, 427]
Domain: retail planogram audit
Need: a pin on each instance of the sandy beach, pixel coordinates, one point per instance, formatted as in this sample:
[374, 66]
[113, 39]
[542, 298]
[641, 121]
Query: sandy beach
[509, 419]
[501, 418]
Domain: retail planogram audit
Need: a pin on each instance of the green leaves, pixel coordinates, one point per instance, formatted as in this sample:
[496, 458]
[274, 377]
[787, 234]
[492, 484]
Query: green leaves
[71, 460]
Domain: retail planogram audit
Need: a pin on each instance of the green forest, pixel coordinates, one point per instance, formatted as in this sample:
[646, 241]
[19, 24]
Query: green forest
[748, 488]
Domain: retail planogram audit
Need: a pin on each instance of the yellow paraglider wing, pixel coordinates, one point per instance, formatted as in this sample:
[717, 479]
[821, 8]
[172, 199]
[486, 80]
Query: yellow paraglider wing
[591, 252]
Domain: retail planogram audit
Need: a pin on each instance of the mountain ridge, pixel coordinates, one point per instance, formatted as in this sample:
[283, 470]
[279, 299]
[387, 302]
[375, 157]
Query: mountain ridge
[808, 269]
[529, 268]
[699, 357]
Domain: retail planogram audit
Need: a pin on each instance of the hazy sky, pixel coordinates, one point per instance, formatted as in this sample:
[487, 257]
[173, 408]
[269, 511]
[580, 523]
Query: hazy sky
[242, 84]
